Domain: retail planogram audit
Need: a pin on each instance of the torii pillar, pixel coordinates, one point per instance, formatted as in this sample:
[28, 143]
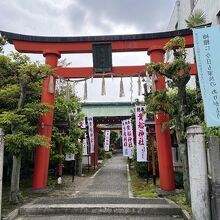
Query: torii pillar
[165, 160]
[42, 153]
[96, 143]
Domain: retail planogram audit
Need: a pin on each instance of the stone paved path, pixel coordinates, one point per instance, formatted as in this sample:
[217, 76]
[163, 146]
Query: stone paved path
[109, 181]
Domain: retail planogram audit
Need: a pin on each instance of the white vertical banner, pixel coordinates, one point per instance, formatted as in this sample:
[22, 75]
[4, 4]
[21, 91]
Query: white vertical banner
[69, 157]
[130, 138]
[107, 140]
[124, 139]
[141, 134]
[91, 133]
[85, 146]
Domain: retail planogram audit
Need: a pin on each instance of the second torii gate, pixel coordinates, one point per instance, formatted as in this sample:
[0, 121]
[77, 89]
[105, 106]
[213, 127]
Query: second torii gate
[106, 113]
[53, 47]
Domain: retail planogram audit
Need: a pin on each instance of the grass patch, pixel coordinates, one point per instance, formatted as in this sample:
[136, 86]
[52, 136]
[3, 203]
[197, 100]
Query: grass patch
[142, 188]
[180, 200]
[108, 155]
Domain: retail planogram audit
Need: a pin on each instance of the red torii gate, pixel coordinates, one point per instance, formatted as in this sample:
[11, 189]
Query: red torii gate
[53, 47]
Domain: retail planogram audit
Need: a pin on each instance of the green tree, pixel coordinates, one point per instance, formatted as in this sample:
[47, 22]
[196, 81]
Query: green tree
[66, 131]
[2, 43]
[196, 19]
[20, 86]
[177, 73]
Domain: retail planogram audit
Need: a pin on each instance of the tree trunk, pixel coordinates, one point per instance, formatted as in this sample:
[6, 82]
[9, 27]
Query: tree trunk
[14, 196]
[22, 95]
[181, 140]
[184, 160]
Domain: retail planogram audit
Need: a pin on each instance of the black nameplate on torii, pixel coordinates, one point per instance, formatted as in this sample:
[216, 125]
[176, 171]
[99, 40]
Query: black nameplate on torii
[102, 57]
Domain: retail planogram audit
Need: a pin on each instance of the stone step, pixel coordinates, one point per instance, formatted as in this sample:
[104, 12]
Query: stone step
[101, 200]
[97, 217]
[101, 206]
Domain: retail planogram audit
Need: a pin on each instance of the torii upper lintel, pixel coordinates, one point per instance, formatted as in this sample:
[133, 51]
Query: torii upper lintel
[83, 44]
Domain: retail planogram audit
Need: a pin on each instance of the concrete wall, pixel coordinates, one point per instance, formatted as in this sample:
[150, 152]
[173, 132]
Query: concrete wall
[210, 8]
[185, 8]
[174, 17]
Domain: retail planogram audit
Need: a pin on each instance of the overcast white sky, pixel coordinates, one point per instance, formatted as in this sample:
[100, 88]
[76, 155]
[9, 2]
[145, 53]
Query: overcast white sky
[89, 17]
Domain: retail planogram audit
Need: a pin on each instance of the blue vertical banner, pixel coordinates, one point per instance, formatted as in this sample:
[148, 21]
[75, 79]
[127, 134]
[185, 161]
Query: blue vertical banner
[207, 50]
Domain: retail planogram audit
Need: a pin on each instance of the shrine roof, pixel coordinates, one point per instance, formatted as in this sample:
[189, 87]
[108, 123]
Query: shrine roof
[104, 38]
[107, 109]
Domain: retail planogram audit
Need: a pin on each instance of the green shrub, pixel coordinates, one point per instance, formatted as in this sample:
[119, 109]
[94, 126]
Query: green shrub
[108, 154]
[101, 153]
[178, 179]
[141, 169]
[51, 181]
